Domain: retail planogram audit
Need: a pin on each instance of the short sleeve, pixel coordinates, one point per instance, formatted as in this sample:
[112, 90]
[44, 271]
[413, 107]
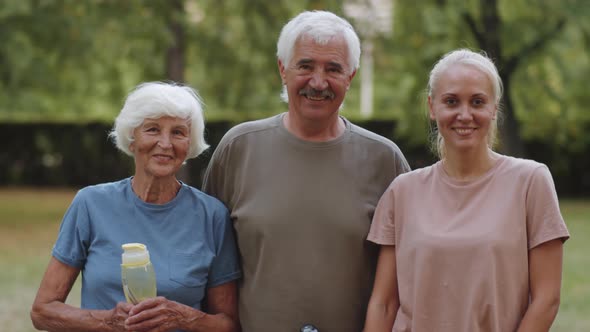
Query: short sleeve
[216, 180]
[383, 226]
[213, 173]
[402, 164]
[225, 266]
[544, 220]
[73, 240]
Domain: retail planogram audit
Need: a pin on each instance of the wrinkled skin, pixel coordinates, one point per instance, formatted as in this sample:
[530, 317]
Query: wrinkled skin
[157, 315]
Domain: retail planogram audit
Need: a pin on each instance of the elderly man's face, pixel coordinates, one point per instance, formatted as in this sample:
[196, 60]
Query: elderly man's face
[317, 78]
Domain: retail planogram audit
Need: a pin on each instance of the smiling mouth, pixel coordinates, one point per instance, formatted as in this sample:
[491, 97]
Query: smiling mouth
[317, 95]
[464, 131]
[163, 157]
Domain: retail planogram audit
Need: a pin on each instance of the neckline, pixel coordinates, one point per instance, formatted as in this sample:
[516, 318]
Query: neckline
[164, 206]
[313, 144]
[472, 182]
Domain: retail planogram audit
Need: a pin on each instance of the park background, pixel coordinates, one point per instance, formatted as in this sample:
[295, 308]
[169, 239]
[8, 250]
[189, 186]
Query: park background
[67, 65]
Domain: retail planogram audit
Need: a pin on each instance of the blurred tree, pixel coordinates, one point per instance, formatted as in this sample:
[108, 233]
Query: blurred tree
[522, 37]
[175, 55]
[488, 32]
[72, 60]
[233, 52]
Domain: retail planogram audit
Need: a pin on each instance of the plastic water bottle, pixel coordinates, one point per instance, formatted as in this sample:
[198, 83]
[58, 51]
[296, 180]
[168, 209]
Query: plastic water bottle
[137, 273]
[309, 328]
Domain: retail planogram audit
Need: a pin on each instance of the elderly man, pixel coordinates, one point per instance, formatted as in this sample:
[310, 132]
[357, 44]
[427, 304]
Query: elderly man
[302, 187]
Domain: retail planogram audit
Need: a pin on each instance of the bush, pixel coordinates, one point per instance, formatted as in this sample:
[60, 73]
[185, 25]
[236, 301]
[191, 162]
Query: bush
[77, 155]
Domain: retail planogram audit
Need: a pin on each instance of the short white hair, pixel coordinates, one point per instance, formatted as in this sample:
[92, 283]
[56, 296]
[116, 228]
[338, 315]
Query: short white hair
[153, 100]
[321, 26]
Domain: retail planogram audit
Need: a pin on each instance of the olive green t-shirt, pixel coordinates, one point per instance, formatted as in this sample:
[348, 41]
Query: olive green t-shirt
[302, 211]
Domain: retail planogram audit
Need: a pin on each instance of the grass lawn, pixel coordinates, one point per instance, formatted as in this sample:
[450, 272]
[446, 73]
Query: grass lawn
[29, 222]
[574, 312]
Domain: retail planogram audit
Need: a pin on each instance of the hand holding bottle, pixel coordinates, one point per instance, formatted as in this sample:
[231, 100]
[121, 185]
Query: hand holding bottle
[117, 317]
[160, 313]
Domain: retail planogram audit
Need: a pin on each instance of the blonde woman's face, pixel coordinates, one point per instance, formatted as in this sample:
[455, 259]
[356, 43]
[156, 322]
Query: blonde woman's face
[463, 105]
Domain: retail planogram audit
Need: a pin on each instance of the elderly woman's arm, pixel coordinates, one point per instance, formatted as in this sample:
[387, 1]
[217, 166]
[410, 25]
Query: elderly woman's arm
[159, 314]
[50, 313]
[384, 301]
[545, 265]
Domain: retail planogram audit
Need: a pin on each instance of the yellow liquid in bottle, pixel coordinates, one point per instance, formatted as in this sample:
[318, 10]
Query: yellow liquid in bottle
[139, 282]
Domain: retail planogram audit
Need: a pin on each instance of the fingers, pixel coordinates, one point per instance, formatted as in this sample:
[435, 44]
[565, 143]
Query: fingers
[118, 315]
[123, 307]
[154, 315]
[146, 304]
[155, 324]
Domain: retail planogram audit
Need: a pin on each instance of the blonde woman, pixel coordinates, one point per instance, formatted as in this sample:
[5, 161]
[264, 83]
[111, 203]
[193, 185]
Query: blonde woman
[475, 241]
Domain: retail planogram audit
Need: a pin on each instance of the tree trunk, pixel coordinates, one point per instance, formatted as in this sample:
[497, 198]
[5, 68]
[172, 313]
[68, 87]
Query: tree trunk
[367, 77]
[488, 37]
[175, 62]
[511, 143]
[175, 53]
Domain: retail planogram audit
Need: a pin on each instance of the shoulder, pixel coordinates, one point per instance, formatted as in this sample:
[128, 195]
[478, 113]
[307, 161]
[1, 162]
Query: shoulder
[415, 177]
[409, 184]
[380, 147]
[243, 138]
[250, 128]
[521, 163]
[209, 203]
[523, 169]
[107, 189]
[372, 139]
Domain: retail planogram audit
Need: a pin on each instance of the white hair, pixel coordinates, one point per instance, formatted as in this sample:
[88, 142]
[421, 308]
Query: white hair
[479, 61]
[154, 100]
[321, 26]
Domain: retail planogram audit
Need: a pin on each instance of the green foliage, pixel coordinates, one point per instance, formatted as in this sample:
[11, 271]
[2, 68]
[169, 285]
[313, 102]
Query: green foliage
[559, 105]
[232, 52]
[549, 85]
[75, 60]
[69, 60]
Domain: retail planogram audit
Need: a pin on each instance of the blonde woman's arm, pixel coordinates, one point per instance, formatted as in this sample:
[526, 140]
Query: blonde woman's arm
[384, 301]
[545, 266]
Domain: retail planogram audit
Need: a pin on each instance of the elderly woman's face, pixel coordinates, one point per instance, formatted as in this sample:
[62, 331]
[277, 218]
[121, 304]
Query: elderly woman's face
[160, 146]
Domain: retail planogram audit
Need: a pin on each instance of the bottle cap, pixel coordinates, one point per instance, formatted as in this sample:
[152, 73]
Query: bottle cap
[135, 254]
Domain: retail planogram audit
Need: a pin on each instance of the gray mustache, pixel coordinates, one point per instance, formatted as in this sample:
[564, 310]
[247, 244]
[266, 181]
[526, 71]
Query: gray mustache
[311, 92]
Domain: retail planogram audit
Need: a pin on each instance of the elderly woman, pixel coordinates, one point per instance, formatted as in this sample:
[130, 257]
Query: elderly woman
[187, 232]
[475, 241]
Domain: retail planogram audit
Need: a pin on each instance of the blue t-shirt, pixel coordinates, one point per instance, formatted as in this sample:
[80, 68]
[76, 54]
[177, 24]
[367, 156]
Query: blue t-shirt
[190, 240]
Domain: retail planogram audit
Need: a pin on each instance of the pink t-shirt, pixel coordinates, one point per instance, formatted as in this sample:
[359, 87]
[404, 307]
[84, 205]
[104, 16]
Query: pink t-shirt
[462, 246]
